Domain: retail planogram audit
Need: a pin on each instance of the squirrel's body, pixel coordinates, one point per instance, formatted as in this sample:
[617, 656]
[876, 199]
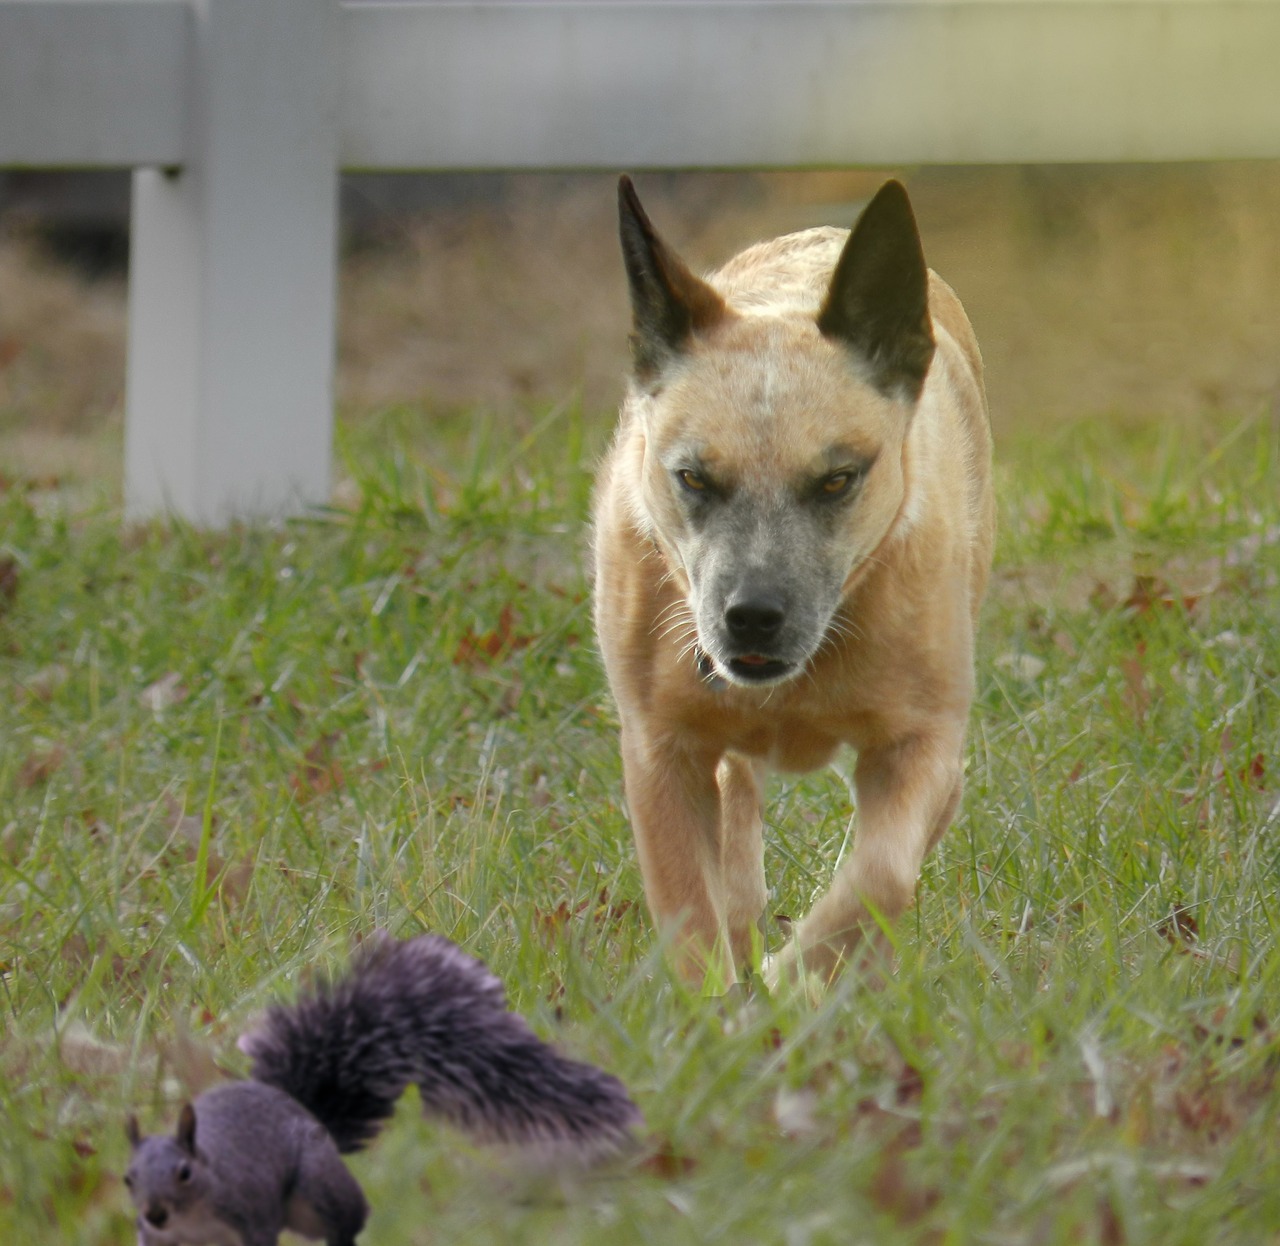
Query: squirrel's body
[261, 1163]
[252, 1158]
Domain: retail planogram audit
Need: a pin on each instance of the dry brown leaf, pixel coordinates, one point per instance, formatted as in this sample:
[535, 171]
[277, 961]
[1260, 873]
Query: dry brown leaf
[1254, 772]
[909, 1085]
[553, 923]
[603, 912]
[234, 878]
[667, 1163]
[1204, 1110]
[476, 649]
[320, 772]
[894, 1191]
[8, 581]
[1214, 1029]
[1110, 1226]
[608, 912]
[1180, 928]
[1137, 694]
[1149, 592]
[41, 764]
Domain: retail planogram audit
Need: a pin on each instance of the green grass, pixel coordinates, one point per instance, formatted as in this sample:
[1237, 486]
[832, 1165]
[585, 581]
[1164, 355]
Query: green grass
[223, 757]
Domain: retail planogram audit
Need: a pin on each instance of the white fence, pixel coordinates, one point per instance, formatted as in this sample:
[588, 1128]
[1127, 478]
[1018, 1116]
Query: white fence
[237, 115]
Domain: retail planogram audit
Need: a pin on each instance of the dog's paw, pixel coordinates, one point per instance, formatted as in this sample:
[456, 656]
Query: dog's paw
[785, 973]
[813, 969]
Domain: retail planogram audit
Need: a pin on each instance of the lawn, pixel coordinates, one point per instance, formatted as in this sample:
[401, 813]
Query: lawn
[225, 757]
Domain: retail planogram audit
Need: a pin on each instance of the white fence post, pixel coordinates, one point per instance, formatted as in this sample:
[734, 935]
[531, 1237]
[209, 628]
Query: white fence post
[232, 274]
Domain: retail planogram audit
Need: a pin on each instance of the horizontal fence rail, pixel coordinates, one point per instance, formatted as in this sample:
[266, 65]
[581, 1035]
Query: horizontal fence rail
[730, 83]
[237, 115]
[532, 85]
[87, 83]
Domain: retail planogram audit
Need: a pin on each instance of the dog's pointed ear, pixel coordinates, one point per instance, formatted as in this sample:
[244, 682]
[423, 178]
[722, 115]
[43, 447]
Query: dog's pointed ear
[878, 301]
[132, 1132]
[186, 1134]
[669, 304]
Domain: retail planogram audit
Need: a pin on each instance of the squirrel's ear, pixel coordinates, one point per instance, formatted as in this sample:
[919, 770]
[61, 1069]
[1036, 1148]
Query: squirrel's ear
[187, 1129]
[131, 1131]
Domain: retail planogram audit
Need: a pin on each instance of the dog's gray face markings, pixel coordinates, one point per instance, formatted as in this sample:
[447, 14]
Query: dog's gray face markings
[765, 564]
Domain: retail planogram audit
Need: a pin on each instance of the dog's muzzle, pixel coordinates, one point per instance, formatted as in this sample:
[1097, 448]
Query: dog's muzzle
[753, 627]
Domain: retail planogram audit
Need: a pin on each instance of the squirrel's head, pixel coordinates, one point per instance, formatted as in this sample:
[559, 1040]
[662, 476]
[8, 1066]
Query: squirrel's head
[167, 1177]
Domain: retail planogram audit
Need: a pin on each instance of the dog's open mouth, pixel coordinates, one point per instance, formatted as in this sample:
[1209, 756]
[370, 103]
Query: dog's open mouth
[756, 668]
[752, 668]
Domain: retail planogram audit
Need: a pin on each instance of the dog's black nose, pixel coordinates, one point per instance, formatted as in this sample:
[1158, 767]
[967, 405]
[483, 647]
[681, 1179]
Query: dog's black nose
[755, 621]
[157, 1216]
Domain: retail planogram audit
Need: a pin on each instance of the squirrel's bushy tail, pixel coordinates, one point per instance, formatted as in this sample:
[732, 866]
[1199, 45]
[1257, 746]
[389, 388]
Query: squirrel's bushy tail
[422, 1011]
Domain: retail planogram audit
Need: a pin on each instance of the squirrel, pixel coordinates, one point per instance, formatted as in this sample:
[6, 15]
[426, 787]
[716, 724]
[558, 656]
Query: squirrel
[252, 1158]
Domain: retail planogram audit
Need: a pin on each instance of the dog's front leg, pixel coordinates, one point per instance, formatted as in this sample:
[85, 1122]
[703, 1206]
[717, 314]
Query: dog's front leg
[741, 783]
[674, 802]
[908, 791]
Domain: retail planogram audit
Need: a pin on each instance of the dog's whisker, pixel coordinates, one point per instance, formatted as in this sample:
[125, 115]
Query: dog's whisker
[690, 651]
[676, 615]
[678, 633]
[672, 625]
[678, 626]
[688, 642]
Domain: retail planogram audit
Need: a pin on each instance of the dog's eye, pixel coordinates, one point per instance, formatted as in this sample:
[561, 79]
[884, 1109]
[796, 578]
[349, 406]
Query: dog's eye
[837, 483]
[184, 1173]
[691, 480]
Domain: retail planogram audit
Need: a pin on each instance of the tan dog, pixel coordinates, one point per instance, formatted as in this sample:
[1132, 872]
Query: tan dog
[793, 531]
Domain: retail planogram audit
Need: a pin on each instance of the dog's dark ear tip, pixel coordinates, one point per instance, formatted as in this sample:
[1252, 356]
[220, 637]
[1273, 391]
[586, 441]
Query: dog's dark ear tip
[668, 302]
[892, 199]
[878, 300]
[628, 199]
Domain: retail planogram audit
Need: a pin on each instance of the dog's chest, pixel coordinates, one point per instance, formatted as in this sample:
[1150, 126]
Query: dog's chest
[765, 728]
[800, 751]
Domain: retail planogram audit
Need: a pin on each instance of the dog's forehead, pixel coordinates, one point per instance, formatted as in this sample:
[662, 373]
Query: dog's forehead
[773, 393]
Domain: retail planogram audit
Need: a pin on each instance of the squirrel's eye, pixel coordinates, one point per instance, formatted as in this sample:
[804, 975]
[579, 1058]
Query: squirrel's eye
[691, 480]
[184, 1172]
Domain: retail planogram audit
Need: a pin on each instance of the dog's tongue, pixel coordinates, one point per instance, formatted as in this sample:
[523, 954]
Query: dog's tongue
[753, 659]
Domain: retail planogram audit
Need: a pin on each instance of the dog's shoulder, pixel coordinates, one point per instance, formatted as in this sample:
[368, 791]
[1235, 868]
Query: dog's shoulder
[948, 314]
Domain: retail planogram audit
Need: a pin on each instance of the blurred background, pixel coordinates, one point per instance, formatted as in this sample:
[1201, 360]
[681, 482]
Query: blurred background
[1142, 291]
